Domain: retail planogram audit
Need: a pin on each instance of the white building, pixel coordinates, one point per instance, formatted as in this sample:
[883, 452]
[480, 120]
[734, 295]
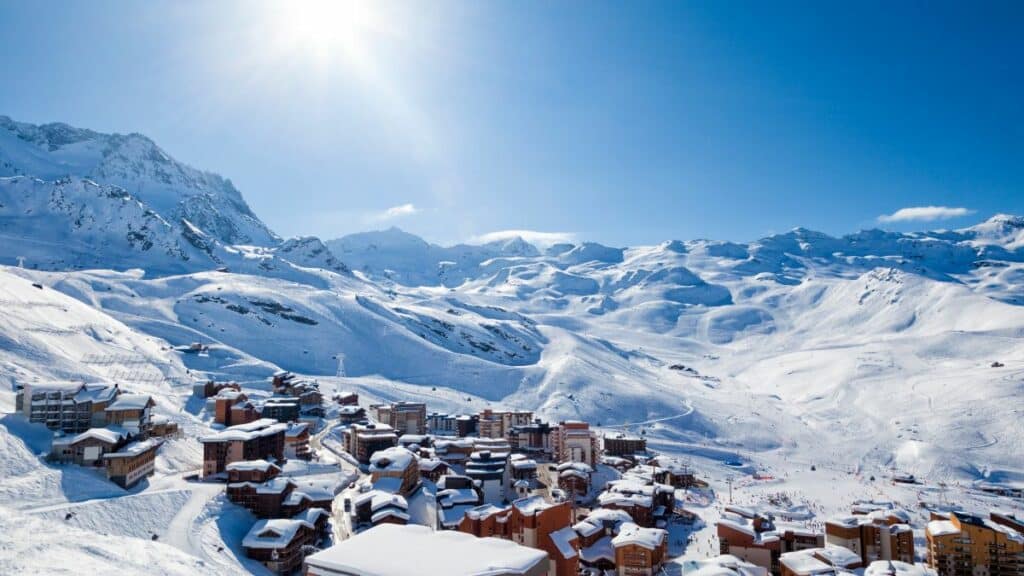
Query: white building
[393, 550]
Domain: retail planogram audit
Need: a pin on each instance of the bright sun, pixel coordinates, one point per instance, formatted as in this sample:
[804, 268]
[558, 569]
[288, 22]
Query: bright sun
[325, 29]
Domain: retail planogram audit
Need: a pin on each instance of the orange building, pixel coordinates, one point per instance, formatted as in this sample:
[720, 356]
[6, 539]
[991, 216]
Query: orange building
[530, 522]
[966, 545]
[639, 551]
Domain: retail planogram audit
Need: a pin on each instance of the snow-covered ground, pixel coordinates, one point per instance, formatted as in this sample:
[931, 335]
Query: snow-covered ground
[862, 355]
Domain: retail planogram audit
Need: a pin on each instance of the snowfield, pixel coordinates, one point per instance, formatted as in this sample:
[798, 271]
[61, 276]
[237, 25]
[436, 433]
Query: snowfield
[859, 355]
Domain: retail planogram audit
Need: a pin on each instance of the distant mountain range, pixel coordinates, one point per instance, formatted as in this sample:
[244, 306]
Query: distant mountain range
[864, 347]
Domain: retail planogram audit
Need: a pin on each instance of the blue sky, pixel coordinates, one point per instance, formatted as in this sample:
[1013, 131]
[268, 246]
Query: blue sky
[622, 122]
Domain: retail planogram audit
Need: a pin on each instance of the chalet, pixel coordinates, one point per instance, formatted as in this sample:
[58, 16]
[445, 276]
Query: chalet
[243, 413]
[69, 407]
[87, 448]
[397, 468]
[277, 497]
[223, 402]
[523, 468]
[415, 442]
[574, 477]
[639, 551]
[257, 471]
[880, 535]
[259, 440]
[726, 565]
[376, 507]
[620, 464]
[648, 503]
[433, 469]
[429, 552]
[282, 381]
[574, 441]
[346, 398]
[455, 496]
[819, 561]
[211, 388]
[362, 440]
[163, 427]
[131, 463]
[624, 446]
[530, 522]
[296, 441]
[132, 412]
[596, 532]
[280, 544]
[350, 414]
[757, 538]
[675, 473]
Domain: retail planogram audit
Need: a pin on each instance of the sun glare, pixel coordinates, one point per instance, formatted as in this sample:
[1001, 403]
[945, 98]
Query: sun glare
[328, 29]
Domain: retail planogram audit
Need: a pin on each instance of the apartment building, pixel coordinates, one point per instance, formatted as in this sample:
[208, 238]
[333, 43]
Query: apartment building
[69, 407]
[574, 441]
[259, 440]
[969, 545]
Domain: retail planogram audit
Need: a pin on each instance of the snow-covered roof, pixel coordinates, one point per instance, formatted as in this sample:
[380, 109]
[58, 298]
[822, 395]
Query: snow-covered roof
[600, 550]
[450, 517]
[619, 499]
[803, 563]
[311, 515]
[371, 553]
[563, 539]
[386, 512]
[249, 431]
[130, 402]
[110, 435]
[942, 528]
[630, 533]
[577, 466]
[134, 449]
[531, 505]
[394, 459]
[724, 565]
[484, 511]
[431, 464]
[273, 533]
[391, 484]
[297, 429]
[895, 568]
[838, 556]
[452, 496]
[261, 465]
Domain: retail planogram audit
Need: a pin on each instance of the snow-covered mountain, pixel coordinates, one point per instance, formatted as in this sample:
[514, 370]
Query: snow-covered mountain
[76, 199]
[871, 350]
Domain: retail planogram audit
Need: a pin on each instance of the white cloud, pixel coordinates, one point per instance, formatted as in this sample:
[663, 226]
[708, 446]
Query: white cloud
[396, 212]
[542, 239]
[924, 214]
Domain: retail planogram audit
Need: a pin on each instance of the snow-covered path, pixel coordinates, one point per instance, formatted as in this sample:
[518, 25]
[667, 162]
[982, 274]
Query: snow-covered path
[182, 532]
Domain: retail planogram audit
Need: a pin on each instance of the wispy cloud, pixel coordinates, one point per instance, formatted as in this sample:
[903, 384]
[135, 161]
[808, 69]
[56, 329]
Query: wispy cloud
[925, 214]
[394, 212]
[542, 239]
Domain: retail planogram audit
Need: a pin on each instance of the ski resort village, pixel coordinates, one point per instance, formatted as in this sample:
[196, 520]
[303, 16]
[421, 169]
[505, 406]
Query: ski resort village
[183, 391]
[302, 476]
